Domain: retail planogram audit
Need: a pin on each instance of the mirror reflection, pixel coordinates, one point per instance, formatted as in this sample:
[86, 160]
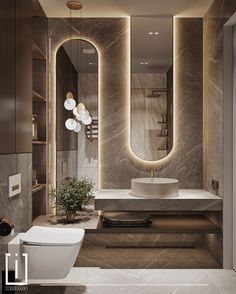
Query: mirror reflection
[151, 87]
[77, 111]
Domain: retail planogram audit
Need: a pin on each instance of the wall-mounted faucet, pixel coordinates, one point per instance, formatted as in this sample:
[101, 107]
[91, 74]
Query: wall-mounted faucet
[152, 172]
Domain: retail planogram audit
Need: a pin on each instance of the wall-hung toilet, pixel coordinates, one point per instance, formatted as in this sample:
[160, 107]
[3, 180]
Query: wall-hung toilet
[51, 251]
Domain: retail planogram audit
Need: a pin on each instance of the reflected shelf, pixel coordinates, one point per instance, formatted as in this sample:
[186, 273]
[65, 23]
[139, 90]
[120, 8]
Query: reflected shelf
[38, 188]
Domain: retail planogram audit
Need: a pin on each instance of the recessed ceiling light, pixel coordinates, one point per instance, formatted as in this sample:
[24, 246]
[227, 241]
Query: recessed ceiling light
[90, 63]
[143, 62]
[88, 51]
[153, 33]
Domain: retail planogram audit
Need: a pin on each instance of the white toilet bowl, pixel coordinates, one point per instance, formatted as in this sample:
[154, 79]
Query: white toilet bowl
[51, 251]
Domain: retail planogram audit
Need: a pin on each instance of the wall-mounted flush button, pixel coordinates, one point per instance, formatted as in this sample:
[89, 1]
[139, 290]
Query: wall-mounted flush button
[215, 184]
[14, 185]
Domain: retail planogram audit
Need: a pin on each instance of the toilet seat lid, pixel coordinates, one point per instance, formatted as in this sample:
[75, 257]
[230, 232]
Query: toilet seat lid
[52, 236]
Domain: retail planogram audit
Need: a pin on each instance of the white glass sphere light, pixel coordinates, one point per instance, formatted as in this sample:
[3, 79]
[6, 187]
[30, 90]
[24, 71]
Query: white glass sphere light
[87, 120]
[78, 128]
[86, 113]
[69, 103]
[71, 124]
[75, 111]
[81, 114]
[81, 106]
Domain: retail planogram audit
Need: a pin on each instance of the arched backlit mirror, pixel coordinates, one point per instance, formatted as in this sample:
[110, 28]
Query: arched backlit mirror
[77, 73]
[151, 87]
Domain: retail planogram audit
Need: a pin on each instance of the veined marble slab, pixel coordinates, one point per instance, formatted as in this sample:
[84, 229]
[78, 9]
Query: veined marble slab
[188, 200]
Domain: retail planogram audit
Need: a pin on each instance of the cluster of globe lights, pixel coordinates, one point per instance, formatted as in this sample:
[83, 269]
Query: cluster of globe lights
[80, 114]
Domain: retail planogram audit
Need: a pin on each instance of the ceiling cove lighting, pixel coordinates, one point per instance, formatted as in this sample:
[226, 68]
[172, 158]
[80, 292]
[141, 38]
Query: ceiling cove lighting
[79, 112]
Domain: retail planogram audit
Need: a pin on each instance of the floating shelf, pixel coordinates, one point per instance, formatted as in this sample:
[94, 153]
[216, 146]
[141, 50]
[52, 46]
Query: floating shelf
[38, 188]
[162, 136]
[169, 224]
[39, 142]
[37, 97]
[37, 52]
[162, 122]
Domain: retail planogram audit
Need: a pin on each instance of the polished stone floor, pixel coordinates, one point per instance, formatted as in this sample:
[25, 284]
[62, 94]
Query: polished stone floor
[140, 281]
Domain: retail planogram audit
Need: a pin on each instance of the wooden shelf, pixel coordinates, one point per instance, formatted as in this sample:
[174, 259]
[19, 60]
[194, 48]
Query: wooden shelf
[37, 52]
[162, 122]
[38, 188]
[169, 224]
[37, 97]
[39, 142]
[162, 136]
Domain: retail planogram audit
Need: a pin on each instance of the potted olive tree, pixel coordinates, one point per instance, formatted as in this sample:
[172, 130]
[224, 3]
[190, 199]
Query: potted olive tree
[72, 195]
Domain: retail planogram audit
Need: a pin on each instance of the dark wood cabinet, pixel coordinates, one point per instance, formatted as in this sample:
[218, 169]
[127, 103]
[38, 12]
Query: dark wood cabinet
[23, 76]
[15, 76]
[7, 76]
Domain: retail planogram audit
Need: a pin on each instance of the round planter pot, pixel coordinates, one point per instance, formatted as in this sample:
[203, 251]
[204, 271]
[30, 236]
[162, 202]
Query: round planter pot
[70, 215]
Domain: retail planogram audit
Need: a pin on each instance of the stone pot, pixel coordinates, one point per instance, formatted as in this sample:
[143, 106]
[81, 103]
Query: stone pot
[70, 215]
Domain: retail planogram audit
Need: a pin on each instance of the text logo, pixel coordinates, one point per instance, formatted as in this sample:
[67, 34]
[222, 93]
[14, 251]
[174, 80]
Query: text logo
[24, 279]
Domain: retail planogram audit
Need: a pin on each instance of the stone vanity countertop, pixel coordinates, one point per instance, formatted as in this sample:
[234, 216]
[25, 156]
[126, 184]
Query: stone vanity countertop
[188, 200]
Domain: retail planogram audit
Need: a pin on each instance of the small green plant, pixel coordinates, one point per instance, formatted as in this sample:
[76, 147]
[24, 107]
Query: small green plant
[72, 195]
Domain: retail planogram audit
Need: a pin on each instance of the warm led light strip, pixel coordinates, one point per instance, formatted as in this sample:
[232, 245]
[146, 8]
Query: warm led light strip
[53, 106]
[131, 152]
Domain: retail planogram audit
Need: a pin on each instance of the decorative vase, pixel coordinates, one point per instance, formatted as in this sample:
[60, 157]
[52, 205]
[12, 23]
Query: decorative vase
[70, 215]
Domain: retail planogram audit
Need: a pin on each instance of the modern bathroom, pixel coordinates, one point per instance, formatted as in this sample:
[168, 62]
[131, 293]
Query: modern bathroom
[117, 139]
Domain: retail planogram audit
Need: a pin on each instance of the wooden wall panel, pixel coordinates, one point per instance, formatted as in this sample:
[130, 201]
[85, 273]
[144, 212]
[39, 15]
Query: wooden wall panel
[7, 76]
[15, 76]
[66, 140]
[23, 76]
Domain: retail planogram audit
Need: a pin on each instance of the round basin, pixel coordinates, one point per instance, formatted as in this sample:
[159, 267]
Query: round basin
[154, 187]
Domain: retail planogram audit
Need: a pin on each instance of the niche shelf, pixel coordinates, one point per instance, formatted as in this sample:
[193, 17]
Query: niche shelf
[37, 52]
[92, 129]
[38, 188]
[39, 105]
[169, 224]
[39, 142]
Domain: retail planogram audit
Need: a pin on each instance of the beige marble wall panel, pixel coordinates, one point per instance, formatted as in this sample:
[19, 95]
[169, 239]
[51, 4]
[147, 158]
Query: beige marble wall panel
[213, 24]
[117, 164]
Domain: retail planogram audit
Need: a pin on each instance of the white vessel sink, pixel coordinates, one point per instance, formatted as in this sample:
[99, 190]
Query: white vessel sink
[154, 187]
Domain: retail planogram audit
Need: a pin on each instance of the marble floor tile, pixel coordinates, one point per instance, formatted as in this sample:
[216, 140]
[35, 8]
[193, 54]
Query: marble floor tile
[94, 280]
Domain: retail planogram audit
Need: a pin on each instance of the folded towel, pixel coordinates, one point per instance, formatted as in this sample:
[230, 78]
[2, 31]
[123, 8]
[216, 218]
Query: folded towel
[137, 222]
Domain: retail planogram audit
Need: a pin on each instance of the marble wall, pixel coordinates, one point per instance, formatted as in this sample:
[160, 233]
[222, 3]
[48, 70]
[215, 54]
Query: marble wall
[117, 163]
[18, 208]
[88, 150]
[153, 251]
[213, 23]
